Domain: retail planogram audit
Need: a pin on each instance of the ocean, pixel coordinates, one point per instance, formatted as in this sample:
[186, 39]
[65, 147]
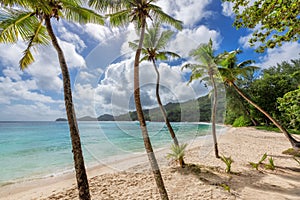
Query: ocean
[33, 150]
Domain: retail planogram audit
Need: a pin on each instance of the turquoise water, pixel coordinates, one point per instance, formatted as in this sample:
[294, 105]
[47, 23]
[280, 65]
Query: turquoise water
[30, 150]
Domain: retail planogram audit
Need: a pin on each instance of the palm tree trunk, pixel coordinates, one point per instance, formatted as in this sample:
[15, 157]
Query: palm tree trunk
[163, 111]
[81, 177]
[139, 110]
[293, 141]
[213, 115]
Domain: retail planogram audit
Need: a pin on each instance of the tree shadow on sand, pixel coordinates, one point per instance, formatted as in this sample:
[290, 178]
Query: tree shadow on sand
[262, 181]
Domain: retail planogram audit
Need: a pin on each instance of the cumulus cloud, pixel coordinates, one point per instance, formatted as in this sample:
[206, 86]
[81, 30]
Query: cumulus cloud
[188, 11]
[21, 90]
[286, 52]
[72, 38]
[227, 9]
[101, 33]
[189, 39]
[36, 86]
[114, 93]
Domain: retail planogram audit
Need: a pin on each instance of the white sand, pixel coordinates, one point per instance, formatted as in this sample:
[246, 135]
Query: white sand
[203, 180]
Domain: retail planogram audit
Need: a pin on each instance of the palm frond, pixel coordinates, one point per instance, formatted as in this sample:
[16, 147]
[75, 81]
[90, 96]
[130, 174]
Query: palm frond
[15, 23]
[158, 15]
[81, 15]
[26, 60]
[38, 37]
[161, 56]
[19, 3]
[164, 39]
[145, 58]
[178, 152]
[164, 55]
[133, 45]
[107, 5]
[119, 18]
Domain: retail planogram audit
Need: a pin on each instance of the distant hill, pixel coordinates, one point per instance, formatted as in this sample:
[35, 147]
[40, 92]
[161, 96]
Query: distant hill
[106, 117]
[87, 118]
[189, 111]
[61, 120]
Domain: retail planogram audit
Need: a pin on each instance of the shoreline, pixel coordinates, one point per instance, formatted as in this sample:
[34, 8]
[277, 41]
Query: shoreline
[97, 161]
[114, 164]
[117, 177]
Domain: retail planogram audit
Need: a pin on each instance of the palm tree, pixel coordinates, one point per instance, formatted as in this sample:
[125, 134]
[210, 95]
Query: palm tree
[31, 20]
[122, 12]
[231, 71]
[205, 54]
[154, 43]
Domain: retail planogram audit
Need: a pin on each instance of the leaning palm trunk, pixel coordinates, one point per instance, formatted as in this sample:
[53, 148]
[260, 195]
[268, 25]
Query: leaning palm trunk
[213, 115]
[163, 111]
[295, 143]
[81, 177]
[147, 142]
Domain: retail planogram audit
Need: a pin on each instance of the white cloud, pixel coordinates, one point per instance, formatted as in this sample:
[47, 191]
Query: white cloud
[286, 52]
[188, 11]
[12, 73]
[227, 9]
[189, 39]
[73, 38]
[21, 91]
[36, 111]
[84, 100]
[114, 93]
[101, 33]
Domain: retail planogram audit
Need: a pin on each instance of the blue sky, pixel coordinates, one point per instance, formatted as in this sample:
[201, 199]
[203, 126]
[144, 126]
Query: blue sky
[101, 64]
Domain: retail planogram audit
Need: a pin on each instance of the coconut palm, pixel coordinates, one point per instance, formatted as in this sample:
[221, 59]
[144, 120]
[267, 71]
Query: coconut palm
[207, 65]
[32, 21]
[138, 11]
[231, 71]
[154, 43]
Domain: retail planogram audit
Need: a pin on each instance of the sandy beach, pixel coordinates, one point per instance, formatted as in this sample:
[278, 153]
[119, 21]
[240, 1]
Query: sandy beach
[203, 178]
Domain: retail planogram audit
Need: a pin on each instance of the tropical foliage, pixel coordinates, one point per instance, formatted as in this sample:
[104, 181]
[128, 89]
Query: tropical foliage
[206, 70]
[178, 153]
[276, 21]
[289, 105]
[231, 71]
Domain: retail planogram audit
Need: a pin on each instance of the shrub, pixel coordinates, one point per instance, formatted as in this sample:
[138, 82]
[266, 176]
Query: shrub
[242, 121]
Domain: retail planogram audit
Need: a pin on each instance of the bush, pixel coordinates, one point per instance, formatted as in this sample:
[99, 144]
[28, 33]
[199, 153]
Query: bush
[241, 121]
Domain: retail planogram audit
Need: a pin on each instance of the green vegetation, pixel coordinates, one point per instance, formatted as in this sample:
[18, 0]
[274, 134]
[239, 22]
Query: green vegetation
[256, 165]
[276, 21]
[228, 161]
[205, 69]
[226, 187]
[275, 129]
[231, 72]
[290, 109]
[269, 165]
[241, 121]
[292, 151]
[178, 153]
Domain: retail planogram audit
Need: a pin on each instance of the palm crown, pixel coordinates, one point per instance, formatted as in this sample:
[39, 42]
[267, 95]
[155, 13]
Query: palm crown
[126, 11]
[154, 44]
[25, 20]
[231, 71]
